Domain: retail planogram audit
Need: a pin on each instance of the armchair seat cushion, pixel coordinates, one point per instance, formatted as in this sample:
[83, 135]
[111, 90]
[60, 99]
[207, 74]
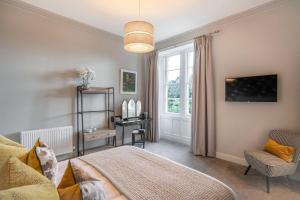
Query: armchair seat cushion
[269, 164]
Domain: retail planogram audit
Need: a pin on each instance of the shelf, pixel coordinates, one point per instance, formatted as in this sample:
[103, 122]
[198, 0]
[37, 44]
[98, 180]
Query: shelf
[99, 134]
[95, 111]
[96, 90]
[108, 109]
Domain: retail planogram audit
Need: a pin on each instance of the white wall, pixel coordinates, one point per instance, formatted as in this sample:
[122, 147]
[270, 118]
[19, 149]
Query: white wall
[261, 41]
[39, 52]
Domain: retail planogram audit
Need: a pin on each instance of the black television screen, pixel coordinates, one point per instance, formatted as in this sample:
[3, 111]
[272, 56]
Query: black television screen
[252, 88]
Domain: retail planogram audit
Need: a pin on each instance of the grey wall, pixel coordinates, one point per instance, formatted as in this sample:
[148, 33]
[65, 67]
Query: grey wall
[262, 41]
[39, 53]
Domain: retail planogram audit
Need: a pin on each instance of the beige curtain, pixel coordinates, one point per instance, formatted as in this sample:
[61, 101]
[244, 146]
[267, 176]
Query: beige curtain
[203, 114]
[152, 91]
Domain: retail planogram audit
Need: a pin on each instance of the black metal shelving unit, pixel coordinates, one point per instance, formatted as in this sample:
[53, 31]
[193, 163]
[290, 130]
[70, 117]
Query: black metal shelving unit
[109, 109]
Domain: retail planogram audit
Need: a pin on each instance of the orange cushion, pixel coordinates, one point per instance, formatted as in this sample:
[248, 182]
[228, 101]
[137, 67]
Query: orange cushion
[67, 188]
[284, 152]
[31, 158]
[68, 178]
[70, 193]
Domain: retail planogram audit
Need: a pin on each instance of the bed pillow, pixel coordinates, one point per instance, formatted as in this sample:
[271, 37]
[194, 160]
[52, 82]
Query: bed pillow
[80, 173]
[5, 140]
[19, 174]
[71, 192]
[30, 192]
[42, 159]
[83, 191]
[31, 158]
[284, 152]
[68, 178]
[5, 153]
[48, 162]
[92, 190]
[69, 189]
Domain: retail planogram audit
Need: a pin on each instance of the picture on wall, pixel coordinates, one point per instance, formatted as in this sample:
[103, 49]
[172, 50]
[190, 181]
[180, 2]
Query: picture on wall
[128, 81]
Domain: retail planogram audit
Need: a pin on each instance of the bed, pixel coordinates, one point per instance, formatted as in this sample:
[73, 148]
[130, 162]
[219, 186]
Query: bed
[129, 172]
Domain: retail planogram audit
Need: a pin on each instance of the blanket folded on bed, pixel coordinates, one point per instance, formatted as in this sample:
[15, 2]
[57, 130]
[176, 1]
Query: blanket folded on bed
[141, 175]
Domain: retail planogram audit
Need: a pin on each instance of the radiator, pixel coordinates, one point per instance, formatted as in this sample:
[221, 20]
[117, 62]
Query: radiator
[59, 139]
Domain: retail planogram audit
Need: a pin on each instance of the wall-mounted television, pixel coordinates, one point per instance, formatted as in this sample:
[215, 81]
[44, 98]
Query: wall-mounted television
[252, 88]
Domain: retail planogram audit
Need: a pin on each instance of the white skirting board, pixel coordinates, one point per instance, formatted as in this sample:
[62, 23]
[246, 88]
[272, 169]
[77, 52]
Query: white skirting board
[231, 158]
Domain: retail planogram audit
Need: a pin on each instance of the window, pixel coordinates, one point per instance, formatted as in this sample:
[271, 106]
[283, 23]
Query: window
[173, 84]
[177, 65]
[189, 84]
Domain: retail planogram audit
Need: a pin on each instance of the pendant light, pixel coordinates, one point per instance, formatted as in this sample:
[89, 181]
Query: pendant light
[138, 36]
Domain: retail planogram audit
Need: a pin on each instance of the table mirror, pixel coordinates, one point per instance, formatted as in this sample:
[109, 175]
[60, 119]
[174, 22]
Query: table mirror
[124, 109]
[138, 108]
[131, 108]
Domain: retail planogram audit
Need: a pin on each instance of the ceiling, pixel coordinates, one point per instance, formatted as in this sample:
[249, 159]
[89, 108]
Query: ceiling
[169, 17]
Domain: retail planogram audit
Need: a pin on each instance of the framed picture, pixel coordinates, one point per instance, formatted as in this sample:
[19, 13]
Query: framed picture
[128, 82]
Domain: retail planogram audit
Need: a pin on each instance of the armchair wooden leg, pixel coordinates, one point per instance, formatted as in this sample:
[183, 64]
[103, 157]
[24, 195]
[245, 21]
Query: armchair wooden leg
[247, 170]
[268, 184]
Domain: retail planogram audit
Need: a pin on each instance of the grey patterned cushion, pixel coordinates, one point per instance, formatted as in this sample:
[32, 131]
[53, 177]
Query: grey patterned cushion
[269, 164]
[48, 162]
[92, 190]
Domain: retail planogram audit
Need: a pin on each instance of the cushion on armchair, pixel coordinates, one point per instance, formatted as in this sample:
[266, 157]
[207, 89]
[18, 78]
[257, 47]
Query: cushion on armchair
[284, 152]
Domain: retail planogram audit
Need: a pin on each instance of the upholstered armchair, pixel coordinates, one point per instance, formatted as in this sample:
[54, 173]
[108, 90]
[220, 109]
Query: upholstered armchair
[271, 165]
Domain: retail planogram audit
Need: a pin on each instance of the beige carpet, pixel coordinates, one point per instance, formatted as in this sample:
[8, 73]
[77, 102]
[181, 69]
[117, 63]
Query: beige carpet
[247, 187]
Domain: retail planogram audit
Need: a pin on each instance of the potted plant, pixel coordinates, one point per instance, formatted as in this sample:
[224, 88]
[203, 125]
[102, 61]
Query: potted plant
[86, 75]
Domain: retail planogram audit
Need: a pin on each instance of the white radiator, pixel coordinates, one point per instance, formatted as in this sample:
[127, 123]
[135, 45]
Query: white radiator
[59, 139]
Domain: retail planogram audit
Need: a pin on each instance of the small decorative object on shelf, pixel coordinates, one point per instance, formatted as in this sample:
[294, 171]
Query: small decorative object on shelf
[86, 75]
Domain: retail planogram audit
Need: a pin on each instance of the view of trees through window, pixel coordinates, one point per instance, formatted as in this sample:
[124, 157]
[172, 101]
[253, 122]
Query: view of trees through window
[179, 74]
[190, 80]
[174, 96]
[173, 84]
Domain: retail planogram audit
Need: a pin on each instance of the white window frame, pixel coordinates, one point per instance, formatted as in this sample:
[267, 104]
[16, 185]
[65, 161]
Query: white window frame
[186, 81]
[183, 52]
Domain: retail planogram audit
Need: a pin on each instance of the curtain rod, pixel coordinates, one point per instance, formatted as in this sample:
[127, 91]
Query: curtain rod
[187, 41]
